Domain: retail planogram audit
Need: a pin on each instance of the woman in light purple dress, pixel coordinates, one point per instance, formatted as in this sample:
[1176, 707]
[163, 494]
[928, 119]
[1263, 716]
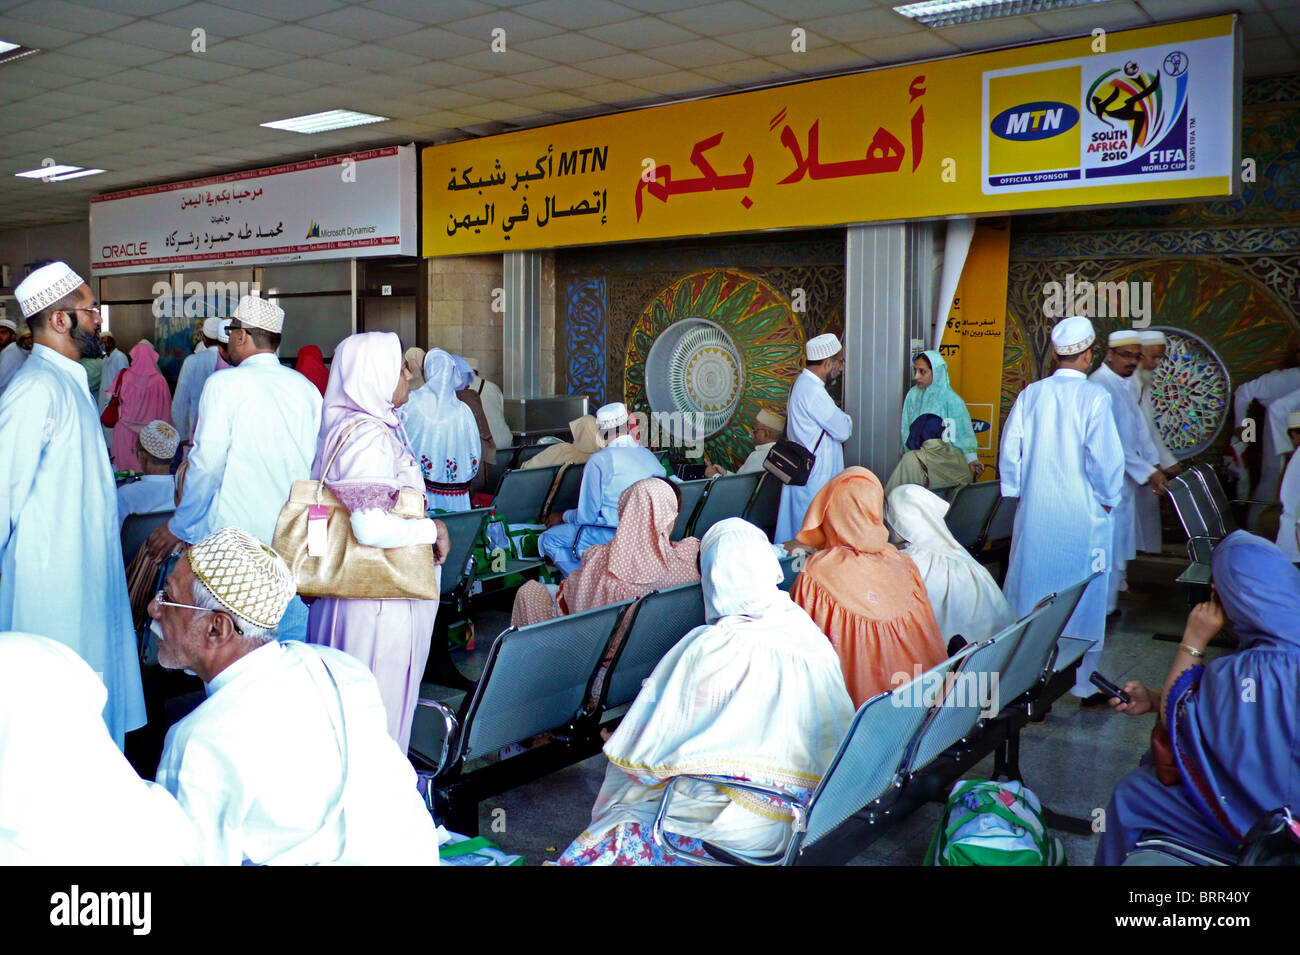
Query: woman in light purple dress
[373, 463]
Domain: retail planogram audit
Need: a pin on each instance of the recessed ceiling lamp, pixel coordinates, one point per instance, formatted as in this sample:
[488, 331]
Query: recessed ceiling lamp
[947, 13]
[323, 122]
[58, 173]
[14, 51]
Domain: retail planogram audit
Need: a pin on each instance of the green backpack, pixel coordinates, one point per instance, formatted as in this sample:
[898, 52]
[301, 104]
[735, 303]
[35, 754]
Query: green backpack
[988, 823]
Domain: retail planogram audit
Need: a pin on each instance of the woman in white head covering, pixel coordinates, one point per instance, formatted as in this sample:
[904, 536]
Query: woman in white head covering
[756, 694]
[68, 796]
[965, 598]
[444, 435]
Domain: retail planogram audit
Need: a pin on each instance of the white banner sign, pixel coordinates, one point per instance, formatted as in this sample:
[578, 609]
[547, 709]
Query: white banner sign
[355, 205]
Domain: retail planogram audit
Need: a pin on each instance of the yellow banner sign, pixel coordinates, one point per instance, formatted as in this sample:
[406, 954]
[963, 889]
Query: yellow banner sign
[973, 336]
[1142, 115]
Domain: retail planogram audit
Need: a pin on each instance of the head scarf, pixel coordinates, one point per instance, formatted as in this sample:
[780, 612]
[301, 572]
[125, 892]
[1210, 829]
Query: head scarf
[965, 598]
[867, 598]
[68, 797]
[1235, 723]
[586, 442]
[755, 694]
[444, 434]
[311, 364]
[924, 428]
[414, 359]
[465, 372]
[938, 398]
[740, 574]
[640, 558]
[145, 397]
[359, 420]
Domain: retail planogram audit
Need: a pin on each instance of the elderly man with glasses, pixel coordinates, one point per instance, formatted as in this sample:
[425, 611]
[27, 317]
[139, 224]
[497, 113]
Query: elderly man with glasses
[61, 570]
[255, 435]
[288, 761]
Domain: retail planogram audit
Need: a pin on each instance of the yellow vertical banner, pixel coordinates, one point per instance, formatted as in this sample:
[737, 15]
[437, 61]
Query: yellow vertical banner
[972, 338]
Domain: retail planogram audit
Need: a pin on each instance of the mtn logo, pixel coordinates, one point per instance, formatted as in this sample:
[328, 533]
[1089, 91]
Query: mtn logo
[1030, 121]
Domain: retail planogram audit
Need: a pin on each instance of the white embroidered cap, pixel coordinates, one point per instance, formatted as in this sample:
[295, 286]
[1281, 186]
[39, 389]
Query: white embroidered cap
[160, 439]
[822, 347]
[611, 416]
[245, 576]
[770, 419]
[1153, 338]
[10, 324]
[212, 327]
[472, 362]
[46, 286]
[223, 331]
[255, 312]
[1124, 336]
[1072, 335]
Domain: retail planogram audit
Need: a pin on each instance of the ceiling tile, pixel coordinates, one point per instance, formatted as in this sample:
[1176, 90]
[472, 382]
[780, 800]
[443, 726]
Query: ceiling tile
[435, 44]
[300, 41]
[696, 53]
[239, 53]
[37, 35]
[611, 93]
[553, 101]
[142, 79]
[921, 45]
[219, 21]
[500, 110]
[577, 14]
[752, 72]
[160, 36]
[500, 87]
[774, 40]
[422, 11]
[824, 59]
[1115, 15]
[262, 83]
[627, 67]
[73, 16]
[361, 24]
[658, 6]
[568, 48]
[978, 36]
[641, 33]
[289, 12]
[502, 64]
[136, 8]
[720, 20]
[111, 52]
[316, 71]
[368, 56]
[782, 8]
[195, 68]
[557, 78]
[438, 75]
[517, 27]
[679, 83]
[77, 66]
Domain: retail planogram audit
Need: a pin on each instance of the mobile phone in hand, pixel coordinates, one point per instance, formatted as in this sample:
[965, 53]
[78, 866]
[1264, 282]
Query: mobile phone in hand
[1109, 688]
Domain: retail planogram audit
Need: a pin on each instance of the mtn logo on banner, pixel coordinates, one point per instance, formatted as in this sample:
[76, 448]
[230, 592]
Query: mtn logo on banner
[1030, 121]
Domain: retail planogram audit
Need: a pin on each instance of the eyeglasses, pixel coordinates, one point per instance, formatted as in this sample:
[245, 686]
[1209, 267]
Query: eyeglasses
[94, 307]
[160, 598]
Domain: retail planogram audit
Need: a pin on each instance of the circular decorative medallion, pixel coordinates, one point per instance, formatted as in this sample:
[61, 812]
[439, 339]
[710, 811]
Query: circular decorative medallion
[716, 346]
[1190, 393]
[695, 367]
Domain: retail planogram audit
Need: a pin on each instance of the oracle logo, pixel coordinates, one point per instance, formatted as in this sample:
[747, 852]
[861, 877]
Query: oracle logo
[125, 251]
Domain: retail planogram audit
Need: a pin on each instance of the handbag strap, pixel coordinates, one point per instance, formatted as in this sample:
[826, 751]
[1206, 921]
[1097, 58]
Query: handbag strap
[819, 441]
[330, 463]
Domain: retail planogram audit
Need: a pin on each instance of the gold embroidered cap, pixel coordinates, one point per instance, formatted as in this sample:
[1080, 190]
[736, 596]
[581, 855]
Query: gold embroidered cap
[160, 439]
[248, 578]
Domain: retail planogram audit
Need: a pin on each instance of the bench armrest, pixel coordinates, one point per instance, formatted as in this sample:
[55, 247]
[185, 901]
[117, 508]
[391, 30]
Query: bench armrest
[798, 826]
[577, 538]
[444, 721]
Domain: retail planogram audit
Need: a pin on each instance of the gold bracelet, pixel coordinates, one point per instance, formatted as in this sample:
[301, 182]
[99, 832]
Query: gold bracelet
[1197, 654]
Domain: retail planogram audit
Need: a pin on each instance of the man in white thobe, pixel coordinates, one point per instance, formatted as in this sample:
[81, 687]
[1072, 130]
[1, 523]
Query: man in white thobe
[155, 489]
[257, 429]
[195, 371]
[812, 417]
[1288, 525]
[12, 355]
[1150, 538]
[768, 428]
[115, 362]
[619, 464]
[1266, 389]
[1141, 473]
[61, 573]
[494, 406]
[288, 761]
[1061, 455]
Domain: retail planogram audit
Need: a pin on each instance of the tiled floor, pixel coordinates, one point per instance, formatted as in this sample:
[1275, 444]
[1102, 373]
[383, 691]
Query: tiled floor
[1072, 760]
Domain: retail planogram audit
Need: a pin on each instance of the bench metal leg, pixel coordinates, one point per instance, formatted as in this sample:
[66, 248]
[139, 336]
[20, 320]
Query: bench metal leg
[457, 809]
[1071, 824]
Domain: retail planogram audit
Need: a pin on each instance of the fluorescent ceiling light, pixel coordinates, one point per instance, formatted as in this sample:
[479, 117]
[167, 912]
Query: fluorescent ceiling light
[57, 173]
[6, 46]
[322, 122]
[946, 13]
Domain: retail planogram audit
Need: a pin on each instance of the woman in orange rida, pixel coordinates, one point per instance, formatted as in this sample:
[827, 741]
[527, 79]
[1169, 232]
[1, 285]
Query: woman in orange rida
[863, 594]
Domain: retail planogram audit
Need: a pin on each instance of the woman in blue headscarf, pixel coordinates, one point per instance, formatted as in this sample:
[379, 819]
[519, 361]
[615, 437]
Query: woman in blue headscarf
[932, 394]
[1233, 725]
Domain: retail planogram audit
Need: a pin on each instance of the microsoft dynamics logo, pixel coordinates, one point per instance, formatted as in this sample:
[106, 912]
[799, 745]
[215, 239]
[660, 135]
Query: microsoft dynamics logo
[313, 230]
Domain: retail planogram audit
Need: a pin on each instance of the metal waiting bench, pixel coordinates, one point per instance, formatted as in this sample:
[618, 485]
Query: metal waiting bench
[535, 681]
[894, 737]
[523, 493]
[137, 528]
[567, 490]
[727, 495]
[970, 512]
[764, 506]
[692, 496]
